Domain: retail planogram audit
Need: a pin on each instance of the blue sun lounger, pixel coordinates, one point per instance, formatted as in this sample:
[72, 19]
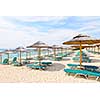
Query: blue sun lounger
[47, 63]
[73, 65]
[5, 62]
[83, 72]
[86, 67]
[34, 66]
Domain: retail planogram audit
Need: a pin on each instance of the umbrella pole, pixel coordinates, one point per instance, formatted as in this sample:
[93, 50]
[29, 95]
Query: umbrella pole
[94, 49]
[8, 58]
[54, 54]
[39, 55]
[80, 54]
[30, 54]
[0, 58]
[20, 57]
[26, 55]
[62, 50]
[98, 49]
[48, 52]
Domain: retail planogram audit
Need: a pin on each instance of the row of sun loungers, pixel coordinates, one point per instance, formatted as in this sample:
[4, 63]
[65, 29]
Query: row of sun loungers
[83, 72]
[86, 67]
[34, 65]
[87, 70]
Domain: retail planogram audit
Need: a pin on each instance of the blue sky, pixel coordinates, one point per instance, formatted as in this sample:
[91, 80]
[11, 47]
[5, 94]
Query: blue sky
[25, 30]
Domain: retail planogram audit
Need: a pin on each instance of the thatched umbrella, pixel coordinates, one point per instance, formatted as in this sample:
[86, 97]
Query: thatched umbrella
[8, 52]
[20, 50]
[39, 45]
[82, 39]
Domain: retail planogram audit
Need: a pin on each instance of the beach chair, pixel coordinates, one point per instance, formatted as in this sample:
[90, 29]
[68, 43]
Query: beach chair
[47, 63]
[26, 62]
[58, 58]
[14, 59]
[5, 62]
[76, 72]
[34, 66]
[72, 66]
[15, 62]
[83, 72]
[90, 68]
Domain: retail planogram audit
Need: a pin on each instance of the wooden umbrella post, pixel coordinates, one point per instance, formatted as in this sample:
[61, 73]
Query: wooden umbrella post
[26, 54]
[62, 50]
[0, 58]
[80, 54]
[8, 58]
[39, 55]
[20, 56]
[94, 49]
[54, 54]
[48, 51]
[30, 54]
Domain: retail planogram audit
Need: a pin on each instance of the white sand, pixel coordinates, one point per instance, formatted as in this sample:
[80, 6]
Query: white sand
[53, 74]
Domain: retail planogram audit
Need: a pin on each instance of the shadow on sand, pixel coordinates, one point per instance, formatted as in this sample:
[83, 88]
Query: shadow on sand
[55, 67]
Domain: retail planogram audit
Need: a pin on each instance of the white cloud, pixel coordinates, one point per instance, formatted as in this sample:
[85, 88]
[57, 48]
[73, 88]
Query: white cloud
[13, 35]
[58, 36]
[87, 18]
[4, 24]
[39, 18]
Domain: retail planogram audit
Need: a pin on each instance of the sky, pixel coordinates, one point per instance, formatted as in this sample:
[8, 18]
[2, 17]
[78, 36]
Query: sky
[23, 31]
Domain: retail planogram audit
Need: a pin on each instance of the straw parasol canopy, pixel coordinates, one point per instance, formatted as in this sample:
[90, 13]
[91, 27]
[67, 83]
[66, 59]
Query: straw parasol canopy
[20, 50]
[39, 45]
[82, 39]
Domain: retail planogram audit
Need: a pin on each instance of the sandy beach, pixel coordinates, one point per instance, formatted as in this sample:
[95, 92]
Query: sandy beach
[52, 74]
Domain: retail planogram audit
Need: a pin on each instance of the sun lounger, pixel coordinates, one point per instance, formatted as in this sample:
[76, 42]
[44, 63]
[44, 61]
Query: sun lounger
[83, 72]
[34, 66]
[73, 66]
[14, 59]
[90, 68]
[5, 62]
[26, 62]
[47, 63]
[16, 64]
[86, 67]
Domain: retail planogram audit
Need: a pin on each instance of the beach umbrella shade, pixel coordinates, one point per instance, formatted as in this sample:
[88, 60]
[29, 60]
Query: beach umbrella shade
[81, 39]
[8, 52]
[20, 50]
[39, 45]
